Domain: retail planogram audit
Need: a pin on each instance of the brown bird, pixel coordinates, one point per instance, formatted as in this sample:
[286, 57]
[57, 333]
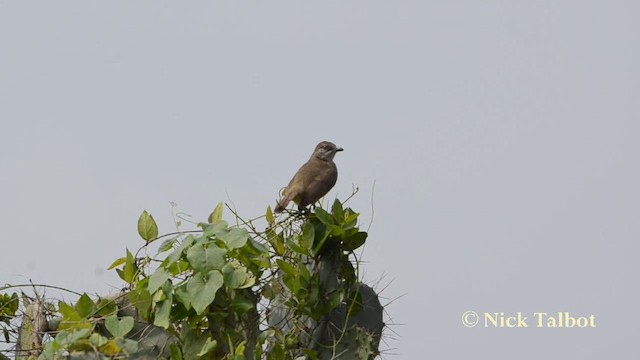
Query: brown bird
[314, 179]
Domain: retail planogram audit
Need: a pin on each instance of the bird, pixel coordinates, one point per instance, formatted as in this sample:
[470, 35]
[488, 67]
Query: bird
[313, 180]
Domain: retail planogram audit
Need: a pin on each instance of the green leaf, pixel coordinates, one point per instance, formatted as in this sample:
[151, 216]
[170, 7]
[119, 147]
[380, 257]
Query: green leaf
[85, 306]
[287, 268]
[277, 242]
[14, 304]
[121, 274]
[295, 247]
[337, 210]
[304, 272]
[71, 320]
[239, 351]
[324, 216]
[111, 348]
[257, 248]
[210, 230]
[106, 307]
[167, 245]
[336, 230]
[98, 340]
[208, 347]
[130, 268]
[270, 218]
[68, 312]
[178, 267]
[308, 235]
[234, 278]
[118, 262]
[278, 352]
[61, 339]
[354, 241]
[347, 271]
[321, 235]
[119, 327]
[163, 310]
[202, 291]
[175, 352]
[234, 238]
[350, 220]
[192, 343]
[142, 300]
[216, 215]
[77, 335]
[349, 232]
[9, 305]
[177, 253]
[182, 296]
[311, 354]
[334, 300]
[206, 259]
[157, 279]
[242, 305]
[147, 227]
[129, 346]
[249, 281]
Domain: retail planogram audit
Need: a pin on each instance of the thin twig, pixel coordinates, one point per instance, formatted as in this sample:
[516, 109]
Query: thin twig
[6, 287]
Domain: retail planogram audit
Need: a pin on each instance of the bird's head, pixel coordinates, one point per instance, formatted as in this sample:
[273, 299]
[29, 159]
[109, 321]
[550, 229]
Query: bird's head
[326, 150]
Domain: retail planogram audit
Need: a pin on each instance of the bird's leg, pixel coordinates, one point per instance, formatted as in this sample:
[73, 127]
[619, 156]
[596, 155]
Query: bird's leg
[303, 210]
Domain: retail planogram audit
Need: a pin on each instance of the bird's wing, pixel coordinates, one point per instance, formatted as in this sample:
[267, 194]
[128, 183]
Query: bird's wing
[319, 184]
[292, 192]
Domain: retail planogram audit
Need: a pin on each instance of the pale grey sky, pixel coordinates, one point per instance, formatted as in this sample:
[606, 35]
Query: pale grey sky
[501, 137]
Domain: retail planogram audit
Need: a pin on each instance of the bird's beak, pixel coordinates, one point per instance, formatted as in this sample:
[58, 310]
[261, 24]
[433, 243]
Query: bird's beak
[339, 149]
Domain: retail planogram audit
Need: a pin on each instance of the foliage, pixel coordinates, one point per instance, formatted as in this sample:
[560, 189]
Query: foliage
[213, 293]
[9, 304]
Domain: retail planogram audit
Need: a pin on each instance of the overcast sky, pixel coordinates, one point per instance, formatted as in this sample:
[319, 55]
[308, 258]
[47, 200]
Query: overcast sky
[501, 136]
